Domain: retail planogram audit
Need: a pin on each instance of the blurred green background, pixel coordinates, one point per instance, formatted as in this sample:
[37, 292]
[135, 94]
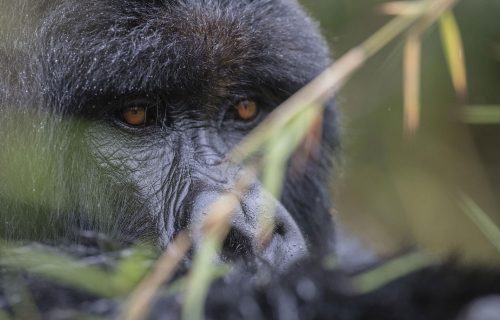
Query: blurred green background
[396, 190]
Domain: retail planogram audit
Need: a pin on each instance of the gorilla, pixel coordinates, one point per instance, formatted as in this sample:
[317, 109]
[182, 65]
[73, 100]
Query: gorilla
[117, 120]
[146, 99]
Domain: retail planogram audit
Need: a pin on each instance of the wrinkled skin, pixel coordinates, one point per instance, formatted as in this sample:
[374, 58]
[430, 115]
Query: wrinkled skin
[189, 63]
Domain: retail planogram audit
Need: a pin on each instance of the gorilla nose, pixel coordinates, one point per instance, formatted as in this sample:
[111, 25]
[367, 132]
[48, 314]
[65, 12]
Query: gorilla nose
[285, 243]
[280, 247]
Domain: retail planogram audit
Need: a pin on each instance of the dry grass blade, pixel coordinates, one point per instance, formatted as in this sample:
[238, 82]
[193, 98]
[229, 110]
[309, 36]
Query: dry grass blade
[220, 212]
[398, 8]
[333, 78]
[215, 229]
[453, 47]
[140, 300]
[313, 95]
[219, 215]
[309, 146]
[277, 152]
[412, 65]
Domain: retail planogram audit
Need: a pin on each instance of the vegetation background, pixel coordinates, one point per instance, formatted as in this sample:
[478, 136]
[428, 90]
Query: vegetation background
[395, 188]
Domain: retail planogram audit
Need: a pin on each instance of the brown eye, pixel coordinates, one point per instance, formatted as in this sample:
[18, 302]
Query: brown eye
[134, 116]
[247, 110]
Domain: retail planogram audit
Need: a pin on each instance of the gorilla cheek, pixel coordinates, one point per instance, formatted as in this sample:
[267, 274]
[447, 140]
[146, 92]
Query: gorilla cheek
[143, 174]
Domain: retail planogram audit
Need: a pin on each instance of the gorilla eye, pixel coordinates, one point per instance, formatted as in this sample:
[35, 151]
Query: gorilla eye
[135, 116]
[246, 110]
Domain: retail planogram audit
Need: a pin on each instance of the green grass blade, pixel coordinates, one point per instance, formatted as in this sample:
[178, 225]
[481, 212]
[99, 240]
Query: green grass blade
[392, 270]
[481, 114]
[482, 220]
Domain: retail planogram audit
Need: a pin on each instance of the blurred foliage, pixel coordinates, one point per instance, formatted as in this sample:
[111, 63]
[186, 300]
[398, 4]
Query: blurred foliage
[50, 264]
[396, 189]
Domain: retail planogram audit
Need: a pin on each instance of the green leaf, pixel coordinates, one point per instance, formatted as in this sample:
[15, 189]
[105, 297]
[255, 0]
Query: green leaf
[454, 52]
[482, 220]
[389, 271]
[481, 114]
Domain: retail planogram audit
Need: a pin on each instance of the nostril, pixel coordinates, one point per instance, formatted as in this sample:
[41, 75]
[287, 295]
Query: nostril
[268, 233]
[279, 228]
[236, 246]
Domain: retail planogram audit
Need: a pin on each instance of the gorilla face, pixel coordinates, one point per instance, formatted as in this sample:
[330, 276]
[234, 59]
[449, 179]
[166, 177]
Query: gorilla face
[141, 103]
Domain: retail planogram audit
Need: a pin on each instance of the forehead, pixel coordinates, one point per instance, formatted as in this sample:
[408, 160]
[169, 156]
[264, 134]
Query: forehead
[196, 48]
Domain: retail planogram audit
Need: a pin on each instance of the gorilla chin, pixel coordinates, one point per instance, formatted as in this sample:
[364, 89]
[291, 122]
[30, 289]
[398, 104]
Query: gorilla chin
[133, 108]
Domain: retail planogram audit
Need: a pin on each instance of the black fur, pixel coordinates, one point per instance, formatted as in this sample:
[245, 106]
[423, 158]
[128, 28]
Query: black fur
[191, 58]
[71, 166]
